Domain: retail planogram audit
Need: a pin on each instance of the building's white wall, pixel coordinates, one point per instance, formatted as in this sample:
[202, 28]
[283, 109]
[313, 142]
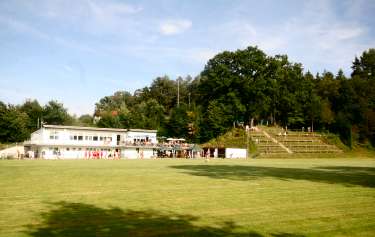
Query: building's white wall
[14, 151]
[235, 153]
[56, 147]
[136, 153]
[148, 153]
[42, 136]
[66, 137]
[130, 153]
[37, 136]
[47, 153]
[53, 152]
[72, 153]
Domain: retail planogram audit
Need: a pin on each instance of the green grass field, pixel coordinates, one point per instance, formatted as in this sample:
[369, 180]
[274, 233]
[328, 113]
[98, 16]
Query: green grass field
[258, 197]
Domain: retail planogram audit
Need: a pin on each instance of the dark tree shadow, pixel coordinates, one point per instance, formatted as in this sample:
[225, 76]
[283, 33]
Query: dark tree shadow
[84, 220]
[345, 175]
[286, 235]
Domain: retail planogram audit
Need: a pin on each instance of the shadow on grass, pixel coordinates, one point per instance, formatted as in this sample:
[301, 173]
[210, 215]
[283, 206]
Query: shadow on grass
[286, 235]
[345, 175]
[84, 220]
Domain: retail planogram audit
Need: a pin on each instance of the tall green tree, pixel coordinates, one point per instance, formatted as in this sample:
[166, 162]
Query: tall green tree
[35, 112]
[13, 124]
[364, 66]
[178, 122]
[55, 113]
[85, 120]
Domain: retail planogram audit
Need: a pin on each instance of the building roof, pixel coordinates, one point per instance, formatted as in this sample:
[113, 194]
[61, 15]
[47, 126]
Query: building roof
[141, 130]
[97, 129]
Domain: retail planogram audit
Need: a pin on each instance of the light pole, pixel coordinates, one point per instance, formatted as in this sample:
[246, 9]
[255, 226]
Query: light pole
[189, 100]
[178, 92]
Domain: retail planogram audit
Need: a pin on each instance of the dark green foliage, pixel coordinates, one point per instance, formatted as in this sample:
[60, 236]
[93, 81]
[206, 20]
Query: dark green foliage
[109, 120]
[364, 67]
[13, 124]
[55, 113]
[85, 120]
[177, 125]
[234, 88]
[247, 84]
[35, 112]
[153, 107]
[18, 122]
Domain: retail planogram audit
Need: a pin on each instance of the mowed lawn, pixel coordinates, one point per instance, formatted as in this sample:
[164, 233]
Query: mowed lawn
[258, 197]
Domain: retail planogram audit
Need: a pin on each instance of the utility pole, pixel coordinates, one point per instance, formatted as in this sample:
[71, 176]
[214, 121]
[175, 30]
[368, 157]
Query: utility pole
[178, 92]
[189, 100]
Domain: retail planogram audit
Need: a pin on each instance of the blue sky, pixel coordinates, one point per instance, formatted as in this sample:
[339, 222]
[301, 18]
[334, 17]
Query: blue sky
[78, 51]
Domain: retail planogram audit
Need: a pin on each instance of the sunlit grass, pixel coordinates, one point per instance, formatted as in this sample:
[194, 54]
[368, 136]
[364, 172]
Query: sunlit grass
[258, 197]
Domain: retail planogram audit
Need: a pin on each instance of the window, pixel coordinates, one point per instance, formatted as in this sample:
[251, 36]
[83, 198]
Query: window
[75, 137]
[67, 149]
[80, 138]
[95, 138]
[54, 135]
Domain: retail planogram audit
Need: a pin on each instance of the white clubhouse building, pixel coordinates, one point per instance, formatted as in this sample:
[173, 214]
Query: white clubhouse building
[73, 142]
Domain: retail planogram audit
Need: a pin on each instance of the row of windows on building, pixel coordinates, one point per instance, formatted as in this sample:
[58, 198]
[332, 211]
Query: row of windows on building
[55, 136]
[90, 138]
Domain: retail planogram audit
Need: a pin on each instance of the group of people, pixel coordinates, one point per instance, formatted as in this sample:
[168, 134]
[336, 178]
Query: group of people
[184, 153]
[96, 154]
[138, 142]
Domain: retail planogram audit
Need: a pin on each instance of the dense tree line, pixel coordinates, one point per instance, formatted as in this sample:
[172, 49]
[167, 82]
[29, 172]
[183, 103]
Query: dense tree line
[238, 86]
[234, 87]
[248, 84]
[17, 122]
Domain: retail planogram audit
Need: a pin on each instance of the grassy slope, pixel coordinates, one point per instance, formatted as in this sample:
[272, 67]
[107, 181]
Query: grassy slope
[270, 197]
[235, 138]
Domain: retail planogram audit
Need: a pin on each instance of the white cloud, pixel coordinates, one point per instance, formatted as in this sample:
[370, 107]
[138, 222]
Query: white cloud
[161, 54]
[345, 33]
[22, 27]
[173, 27]
[318, 37]
[241, 34]
[90, 16]
[119, 8]
[29, 30]
[68, 68]
[93, 9]
[110, 11]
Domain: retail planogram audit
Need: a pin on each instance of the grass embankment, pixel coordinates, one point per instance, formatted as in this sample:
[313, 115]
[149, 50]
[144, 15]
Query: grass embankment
[291, 197]
[235, 138]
